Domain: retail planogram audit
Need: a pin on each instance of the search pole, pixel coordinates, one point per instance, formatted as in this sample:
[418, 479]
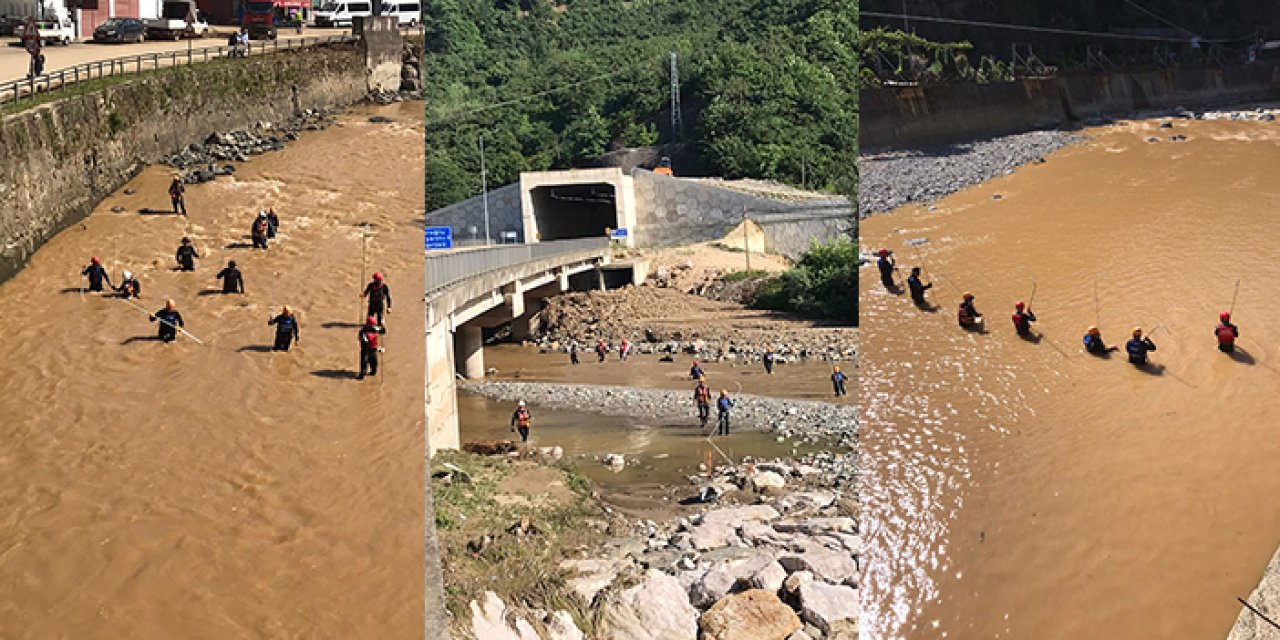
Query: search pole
[484, 189]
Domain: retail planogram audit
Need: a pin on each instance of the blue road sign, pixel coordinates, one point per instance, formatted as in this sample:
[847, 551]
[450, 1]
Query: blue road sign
[438, 238]
[617, 234]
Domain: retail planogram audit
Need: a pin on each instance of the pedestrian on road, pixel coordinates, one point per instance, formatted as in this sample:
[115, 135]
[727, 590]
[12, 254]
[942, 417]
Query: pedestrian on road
[520, 420]
[186, 256]
[723, 405]
[232, 280]
[178, 195]
[369, 348]
[286, 329]
[838, 378]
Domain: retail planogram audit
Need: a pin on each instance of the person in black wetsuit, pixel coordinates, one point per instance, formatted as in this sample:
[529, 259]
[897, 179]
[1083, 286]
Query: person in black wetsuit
[273, 223]
[178, 195]
[129, 287]
[259, 231]
[1022, 319]
[887, 267]
[1093, 342]
[1138, 346]
[170, 320]
[232, 280]
[379, 295]
[186, 256]
[96, 274]
[286, 329]
[369, 348]
[917, 287]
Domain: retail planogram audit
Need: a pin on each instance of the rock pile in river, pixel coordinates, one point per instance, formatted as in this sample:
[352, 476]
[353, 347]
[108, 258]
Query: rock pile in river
[202, 162]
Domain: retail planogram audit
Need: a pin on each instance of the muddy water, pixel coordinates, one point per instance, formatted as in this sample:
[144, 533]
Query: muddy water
[218, 491]
[1021, 490]
[802, 380]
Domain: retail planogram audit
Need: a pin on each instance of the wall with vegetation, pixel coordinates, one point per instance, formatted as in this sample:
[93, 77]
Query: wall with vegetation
[932, 114]
[58, 160]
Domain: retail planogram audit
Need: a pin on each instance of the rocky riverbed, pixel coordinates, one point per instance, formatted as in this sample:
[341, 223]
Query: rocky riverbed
[891, 179]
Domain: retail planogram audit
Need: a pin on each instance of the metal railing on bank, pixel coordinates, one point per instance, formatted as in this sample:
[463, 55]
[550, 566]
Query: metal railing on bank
[62, 78]
[444, 269]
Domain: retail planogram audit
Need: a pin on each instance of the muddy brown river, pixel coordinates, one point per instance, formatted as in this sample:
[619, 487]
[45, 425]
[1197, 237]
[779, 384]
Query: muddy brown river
[1028, 490]
[221, 491]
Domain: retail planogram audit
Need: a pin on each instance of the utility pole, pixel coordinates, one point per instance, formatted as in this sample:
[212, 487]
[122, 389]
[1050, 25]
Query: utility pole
[676, 121]
[484, 190]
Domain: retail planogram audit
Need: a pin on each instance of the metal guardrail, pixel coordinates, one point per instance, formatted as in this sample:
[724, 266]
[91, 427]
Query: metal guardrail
[444, 269]
[62, 78]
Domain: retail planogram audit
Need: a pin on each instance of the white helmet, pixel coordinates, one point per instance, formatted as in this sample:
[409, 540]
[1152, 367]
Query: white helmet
[521, 403]
[127, 275]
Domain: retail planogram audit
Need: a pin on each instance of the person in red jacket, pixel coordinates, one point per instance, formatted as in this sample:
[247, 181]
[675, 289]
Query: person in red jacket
[967, 315]
[369, 348]
[1226, 333]
[1022, 319]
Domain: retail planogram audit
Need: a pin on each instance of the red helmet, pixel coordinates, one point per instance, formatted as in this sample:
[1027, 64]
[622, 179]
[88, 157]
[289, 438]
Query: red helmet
[1224, 316]
[883, 252]
[95, 260]
[1020, 306]
[968, 296]
[377, 275]
[371, 320]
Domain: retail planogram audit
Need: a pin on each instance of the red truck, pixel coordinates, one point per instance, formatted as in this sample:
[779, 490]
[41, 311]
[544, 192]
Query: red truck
[263, 17]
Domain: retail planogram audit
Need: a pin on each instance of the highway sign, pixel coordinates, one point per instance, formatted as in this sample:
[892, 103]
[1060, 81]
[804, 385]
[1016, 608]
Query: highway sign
[438, 238]
[618, 234]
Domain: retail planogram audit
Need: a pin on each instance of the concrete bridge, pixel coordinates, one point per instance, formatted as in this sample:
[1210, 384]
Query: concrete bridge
[472, 289]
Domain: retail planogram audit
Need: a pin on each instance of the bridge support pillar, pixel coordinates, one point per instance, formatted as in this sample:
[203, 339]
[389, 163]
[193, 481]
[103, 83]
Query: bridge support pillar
[600, 279]
[441, 391]
[469, 351]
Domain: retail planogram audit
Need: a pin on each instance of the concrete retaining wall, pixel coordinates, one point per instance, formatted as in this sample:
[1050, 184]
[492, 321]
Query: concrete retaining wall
[58, 160]
[909, 117]
[504, 214]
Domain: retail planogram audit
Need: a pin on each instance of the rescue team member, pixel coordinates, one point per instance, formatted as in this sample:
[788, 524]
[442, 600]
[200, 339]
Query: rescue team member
[837, 381]
[170, 320]
[1138, 346]
[723, 405]
[177, 195]
[379, 295]
[286, 329]
[273, 223]
[767, 359]
[573, 352]
[520, 420]
[967, 315]
[232, 280]
[258, 231]
[1093, 342]
[130, 287]
[696, 372]
[1022, 318]
[887, 267]
[186, 256]
[702, 398]
[1226, 333]
[624, 350]
[369, 348]
[917, 287]
[601, 350]
[96, 274]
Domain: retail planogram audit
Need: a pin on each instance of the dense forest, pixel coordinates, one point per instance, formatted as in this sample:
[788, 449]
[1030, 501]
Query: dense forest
[767, 88]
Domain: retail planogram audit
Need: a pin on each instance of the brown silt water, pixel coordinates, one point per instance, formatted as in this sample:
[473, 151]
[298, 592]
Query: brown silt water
[1026, 489]
[221, 490]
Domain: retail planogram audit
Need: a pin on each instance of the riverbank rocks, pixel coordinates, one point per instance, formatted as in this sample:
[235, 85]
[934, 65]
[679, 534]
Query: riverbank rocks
[750, 615]
[655, 609]
[489, 620]
[829, 607]
[765, 480]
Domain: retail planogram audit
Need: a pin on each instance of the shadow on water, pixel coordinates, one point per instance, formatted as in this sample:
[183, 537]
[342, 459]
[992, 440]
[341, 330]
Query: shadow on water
[133, 339]
[335, 374]
[148, 211]
[239, 245]
[1242, 356]
[255, 348]
[1033, 338]
[341, 325]
[1150, 369]
[927, 307]
[210, 292]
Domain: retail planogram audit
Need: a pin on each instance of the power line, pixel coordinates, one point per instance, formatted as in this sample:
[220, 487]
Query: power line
[1020, 27]
[1158, 17]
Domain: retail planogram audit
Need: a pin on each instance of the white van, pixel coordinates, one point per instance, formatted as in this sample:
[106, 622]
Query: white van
[341, 13]
[407, 12]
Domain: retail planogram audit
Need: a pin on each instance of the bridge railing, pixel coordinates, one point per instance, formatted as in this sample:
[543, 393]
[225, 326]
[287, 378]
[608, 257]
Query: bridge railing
[445, 269]
[63, 78]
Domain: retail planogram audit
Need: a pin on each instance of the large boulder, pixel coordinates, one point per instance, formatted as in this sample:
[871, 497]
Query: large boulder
[655, 609]
[750, 615]
[560, 626]
[594, 574]
[769, 578]
[829, 607]
[817, 526]
[823, 563]
[719, 528]
[489, 621]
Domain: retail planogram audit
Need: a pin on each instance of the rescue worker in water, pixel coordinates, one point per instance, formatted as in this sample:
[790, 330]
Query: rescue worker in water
[232, 279]
[838, 378]
[96, 274]
[968, 315]
[723, 406]
[1093, 342]
[695, 371]
[286, 329]
[1226, 333]
[178, 195]
[369, 348]
[129, 287]
[1137, 347]
[1022, 318]
[170, 320]
[917, 287]
[379, 295]
[186, 256]
[520, 420]
[887, 267]
[702, 398]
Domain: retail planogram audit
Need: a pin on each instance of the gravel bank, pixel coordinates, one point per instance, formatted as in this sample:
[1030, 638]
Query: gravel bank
[892, 179]
[753, 413]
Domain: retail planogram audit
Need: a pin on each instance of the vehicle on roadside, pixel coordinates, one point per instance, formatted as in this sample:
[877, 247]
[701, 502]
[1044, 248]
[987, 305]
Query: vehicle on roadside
[407, 12]
[174, 18]
[264, 18]
[121, 30]
[59, 31]
[342, 13]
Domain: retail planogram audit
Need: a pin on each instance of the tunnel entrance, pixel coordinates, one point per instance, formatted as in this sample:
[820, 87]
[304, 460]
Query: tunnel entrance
[574, 211]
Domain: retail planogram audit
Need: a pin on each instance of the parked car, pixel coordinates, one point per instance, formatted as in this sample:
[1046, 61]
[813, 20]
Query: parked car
[51, 31]
[120, 30]
[341, 13]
